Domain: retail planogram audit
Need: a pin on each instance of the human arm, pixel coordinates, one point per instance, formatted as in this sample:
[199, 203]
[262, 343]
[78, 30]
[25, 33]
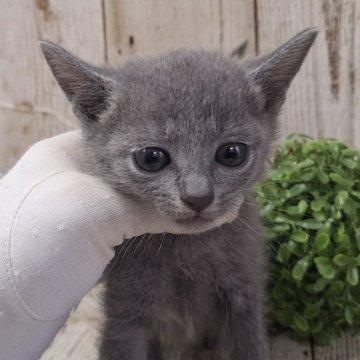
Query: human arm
[58, 227]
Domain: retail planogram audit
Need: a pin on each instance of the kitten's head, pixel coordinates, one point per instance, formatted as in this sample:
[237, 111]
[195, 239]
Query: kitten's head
[186, 133]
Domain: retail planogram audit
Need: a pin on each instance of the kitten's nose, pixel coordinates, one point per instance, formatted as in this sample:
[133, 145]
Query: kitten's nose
[198, 203]
[197, 192]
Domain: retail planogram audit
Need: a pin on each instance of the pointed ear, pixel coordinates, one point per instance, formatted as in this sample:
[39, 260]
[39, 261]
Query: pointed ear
[83, 84]
[240, 51]
[274, 72]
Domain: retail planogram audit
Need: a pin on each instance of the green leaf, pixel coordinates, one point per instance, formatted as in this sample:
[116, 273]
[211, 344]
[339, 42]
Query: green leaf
[302, 206]
[311, 311]
[321, 242]
[340, 199]
[342, 260]
[356, 194]
[300, 322]
[305, 163]
[322, 176]
[318, 204]
[336, 288]
[284, 317]
[293, 210]
[306, 176]
[350, 152]
[280, 228]
[296, 190]
[320, 216]
[349, 315]
[325, 267]
[300, 236]
[320, 284]
[301, 267]
[280, 218]
[283, 254]
[299, 209]
[350, 209]
[343, 239]
[307, 148]
[357, 238]
[310, 224]
[341, 229]
[337, 215]
[351, 164]
[338, 179]
[352, 275]
[293, 248]
[277, 292]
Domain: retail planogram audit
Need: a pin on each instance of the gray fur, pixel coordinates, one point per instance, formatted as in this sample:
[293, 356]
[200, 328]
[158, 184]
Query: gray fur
[197, 293]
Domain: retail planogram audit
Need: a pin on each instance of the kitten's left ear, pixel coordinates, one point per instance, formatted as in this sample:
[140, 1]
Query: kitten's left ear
[274, 72]
[240, 51]
[86, 86]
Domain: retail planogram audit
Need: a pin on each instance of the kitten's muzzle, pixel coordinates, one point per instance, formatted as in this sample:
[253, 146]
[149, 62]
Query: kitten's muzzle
[198, 203]
[197, 193]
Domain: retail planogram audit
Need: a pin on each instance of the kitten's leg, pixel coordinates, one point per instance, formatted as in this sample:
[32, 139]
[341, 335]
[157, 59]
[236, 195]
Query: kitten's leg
[126, 343]
[249, 340]
[244, 336]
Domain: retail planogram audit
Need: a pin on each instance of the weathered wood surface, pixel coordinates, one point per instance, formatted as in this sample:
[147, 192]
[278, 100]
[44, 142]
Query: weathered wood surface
[136, 27]
[323, 100]
[32, 106]
[79, 338]
[346, 348]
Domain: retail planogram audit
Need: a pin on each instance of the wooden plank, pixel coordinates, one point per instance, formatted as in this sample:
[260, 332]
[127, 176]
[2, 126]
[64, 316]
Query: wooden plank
[31, 104]
[283, 348]
[19, 129]
[145, 27]
[79, 338]
[346, 348]
[321, 99]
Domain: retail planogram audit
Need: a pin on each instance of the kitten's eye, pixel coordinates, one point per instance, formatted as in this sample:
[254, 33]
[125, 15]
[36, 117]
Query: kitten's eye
[152, 159]
[232, 154]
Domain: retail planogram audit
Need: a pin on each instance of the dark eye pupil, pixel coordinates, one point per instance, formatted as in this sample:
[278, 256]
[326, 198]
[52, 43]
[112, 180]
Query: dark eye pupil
[232, 154]
[152, 159]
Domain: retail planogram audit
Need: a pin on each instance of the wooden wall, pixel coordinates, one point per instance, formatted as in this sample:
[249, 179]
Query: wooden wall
[324, 99]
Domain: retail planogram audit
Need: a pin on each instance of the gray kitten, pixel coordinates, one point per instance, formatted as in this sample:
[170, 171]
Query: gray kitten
[186, 133]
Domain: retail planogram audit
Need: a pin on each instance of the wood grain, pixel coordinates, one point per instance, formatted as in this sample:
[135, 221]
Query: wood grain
[283, 348]
[321, 100]
[31, 104]
[347, 348]
[135, 27]
[79, 338]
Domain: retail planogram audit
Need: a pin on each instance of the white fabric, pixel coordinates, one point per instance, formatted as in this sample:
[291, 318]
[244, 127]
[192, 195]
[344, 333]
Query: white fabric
[58, 227]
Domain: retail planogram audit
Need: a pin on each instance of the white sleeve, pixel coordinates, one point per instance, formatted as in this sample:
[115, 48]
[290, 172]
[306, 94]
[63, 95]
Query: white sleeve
[57, 232]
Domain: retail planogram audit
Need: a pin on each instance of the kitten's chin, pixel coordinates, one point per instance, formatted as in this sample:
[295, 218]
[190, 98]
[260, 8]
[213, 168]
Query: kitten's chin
[204, 221]
[198, 224]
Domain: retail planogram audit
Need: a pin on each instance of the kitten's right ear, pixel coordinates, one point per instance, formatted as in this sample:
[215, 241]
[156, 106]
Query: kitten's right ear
[83, 84]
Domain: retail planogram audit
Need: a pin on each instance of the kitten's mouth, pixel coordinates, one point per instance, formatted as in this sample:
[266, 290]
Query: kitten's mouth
[194, 220]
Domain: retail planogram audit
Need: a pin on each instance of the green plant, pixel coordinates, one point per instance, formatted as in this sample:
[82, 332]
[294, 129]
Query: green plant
[310, 204]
